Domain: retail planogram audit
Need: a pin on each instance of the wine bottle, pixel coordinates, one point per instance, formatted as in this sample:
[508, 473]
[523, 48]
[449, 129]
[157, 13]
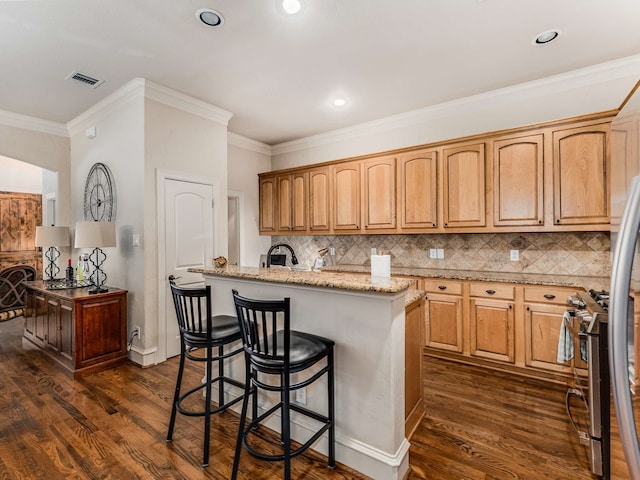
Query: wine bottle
[69, 272]
[80, 270]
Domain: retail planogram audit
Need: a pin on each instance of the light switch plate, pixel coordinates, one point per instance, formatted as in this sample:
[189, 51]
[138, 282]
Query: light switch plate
[136, 240]
[440, 253]
[433, 253]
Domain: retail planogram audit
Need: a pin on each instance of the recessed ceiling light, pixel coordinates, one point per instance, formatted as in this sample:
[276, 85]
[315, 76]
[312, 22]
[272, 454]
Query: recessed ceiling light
[546, 37]
[291, 7]
[339, 102]
[210, 17]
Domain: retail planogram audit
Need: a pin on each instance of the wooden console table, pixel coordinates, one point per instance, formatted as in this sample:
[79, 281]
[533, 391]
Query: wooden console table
[82, 332]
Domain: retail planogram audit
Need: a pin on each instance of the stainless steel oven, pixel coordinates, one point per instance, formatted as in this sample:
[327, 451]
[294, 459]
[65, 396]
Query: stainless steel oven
[587, 320]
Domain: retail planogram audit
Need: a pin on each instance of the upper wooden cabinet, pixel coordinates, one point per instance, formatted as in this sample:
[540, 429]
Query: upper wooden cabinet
[291, 207]
[518, 181]
[464, 192]
[379, 193]
[545, 178]
[268, 201]
[319, 200]
[580, 175]
[346, 196]
[418, 190]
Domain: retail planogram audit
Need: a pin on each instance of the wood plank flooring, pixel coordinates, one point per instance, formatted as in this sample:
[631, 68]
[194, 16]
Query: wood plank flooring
[112, 425]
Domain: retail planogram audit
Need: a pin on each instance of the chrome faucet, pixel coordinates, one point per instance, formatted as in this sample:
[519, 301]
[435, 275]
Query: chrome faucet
[294, 259]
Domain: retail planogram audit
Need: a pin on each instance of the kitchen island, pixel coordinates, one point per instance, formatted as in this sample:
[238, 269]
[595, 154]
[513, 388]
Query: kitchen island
[366, 319]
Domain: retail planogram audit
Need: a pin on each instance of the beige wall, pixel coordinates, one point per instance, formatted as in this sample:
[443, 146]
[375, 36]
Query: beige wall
[19, 176]
[244, 166]
[119, 144]
[45, 150]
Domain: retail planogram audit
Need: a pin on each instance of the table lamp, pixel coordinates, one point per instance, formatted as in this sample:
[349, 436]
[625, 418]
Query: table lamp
[52, 237]
[96, 235]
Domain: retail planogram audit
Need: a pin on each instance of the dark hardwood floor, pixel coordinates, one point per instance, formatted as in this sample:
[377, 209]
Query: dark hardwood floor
[112, 425]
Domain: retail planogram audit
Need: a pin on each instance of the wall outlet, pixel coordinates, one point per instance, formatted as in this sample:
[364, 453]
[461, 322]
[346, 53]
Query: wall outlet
[514, 255]
[136, 240]
[137, 332]
[433, 253]
[440, 253]
[332, 251]
[301, 395]
[374, 251]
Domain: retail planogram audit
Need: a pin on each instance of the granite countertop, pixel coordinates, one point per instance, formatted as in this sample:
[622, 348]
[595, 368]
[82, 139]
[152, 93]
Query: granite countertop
[413, 296]
[586, 282]
[340, 280]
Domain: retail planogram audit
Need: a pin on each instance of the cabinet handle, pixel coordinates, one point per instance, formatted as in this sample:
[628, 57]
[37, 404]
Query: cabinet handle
[549, 296]
[442, 287]
[490, 292]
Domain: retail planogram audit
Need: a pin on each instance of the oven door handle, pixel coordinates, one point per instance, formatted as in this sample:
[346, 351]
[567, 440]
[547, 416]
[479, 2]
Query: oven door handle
[618, 319]
[575, 393]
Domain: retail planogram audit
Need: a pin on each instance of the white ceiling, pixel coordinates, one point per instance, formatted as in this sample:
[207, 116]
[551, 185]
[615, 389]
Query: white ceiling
[277, 74]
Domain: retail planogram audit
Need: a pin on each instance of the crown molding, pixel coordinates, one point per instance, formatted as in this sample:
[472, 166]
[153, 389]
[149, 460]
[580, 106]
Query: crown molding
[247, 143]
[584, 77]
[143, 88]
[26, 122]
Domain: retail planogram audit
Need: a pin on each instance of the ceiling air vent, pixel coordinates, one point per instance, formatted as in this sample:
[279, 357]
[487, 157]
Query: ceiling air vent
[85, 80]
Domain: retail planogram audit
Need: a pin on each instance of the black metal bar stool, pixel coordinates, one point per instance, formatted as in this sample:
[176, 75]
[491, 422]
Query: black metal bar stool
[271, 348]
[200, 332]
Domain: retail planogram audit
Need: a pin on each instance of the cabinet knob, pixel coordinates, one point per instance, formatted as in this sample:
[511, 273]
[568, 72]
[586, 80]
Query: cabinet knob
[442, 287]
[540, 222]
[490, 292]
[510, 307]
[549, 296]
[557, 220]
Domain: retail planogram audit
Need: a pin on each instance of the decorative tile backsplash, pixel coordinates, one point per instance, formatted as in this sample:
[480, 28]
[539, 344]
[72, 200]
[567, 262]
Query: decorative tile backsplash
[581, 253]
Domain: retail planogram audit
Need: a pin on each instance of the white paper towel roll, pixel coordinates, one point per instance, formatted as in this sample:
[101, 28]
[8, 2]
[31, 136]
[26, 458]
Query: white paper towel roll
[381, 266]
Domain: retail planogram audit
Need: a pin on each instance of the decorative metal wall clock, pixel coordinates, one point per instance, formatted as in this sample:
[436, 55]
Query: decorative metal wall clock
[100, 195]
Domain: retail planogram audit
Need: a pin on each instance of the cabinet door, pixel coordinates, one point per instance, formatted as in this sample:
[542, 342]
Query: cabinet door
[417, 187]
[542, 330]
[379, 193]
[102, 325]
[65, 344]
[41, 319]
[283, 206]
[299, 202]
[492, 329]
[53, 326]
[518, 180]
[443, 322]
[580, 175]
[268, 205]
[464, 172]
[319, 200]
[346, 196]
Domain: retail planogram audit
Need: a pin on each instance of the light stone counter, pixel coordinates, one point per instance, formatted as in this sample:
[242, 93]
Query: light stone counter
[340, 280]
[586, 282]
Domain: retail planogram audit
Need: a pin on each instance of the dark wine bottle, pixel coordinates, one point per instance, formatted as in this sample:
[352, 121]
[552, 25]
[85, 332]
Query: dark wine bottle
[69, 272]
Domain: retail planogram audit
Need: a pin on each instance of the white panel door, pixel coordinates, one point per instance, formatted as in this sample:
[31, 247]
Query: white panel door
[188, 242]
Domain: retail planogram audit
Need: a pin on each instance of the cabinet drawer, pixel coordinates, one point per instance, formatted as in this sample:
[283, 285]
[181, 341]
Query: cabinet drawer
[492, 290]
[552, 295]
[451, 287]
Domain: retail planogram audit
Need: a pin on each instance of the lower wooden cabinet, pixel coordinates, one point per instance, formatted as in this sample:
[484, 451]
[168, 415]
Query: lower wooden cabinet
[83, 333]
[443, 317]
[503, 324]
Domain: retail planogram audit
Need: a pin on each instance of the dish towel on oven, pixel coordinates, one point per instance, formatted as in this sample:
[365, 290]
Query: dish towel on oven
[565, 341]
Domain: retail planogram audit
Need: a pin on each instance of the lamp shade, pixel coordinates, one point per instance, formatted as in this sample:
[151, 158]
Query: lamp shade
[52, 236]
[95, 234]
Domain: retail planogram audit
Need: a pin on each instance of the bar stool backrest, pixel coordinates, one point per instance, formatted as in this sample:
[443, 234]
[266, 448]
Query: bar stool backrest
[193, 310]
[260, 322]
